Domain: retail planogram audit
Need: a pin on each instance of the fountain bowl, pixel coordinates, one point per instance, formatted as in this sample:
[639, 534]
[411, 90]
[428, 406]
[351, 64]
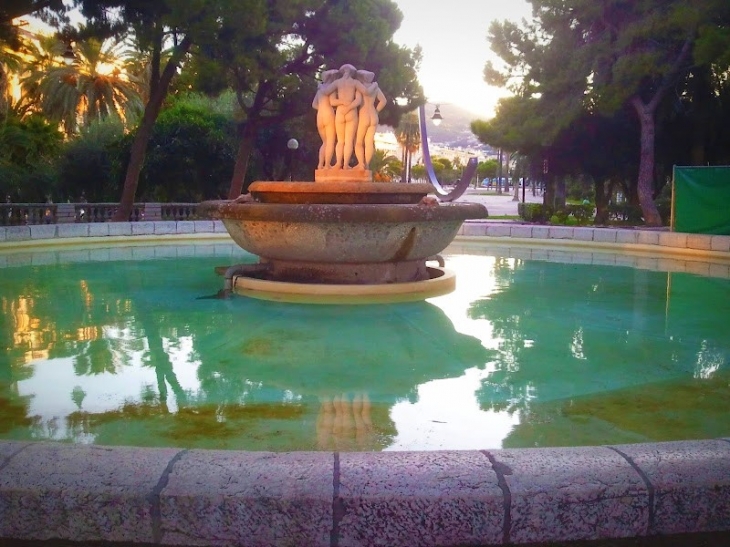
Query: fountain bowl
[343, 243]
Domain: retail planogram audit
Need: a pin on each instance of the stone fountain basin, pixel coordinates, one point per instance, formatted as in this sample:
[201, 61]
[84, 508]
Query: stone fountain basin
[342, 233]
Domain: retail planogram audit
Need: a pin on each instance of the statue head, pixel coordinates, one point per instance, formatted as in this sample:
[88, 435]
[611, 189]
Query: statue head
[348, 70]
[365, 76]
[329, 76]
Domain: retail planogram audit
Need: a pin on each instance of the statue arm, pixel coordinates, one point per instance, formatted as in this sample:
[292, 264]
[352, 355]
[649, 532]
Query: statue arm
[357, 101]
[382, 101]
[328, 89]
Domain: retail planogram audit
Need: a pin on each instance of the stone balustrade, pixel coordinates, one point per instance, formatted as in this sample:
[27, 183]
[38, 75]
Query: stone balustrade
[30, 214]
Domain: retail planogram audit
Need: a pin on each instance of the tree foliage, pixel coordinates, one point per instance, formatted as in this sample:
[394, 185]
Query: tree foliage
[579, 59]
[271, 53]
[191, 155]
[93, 162]
[90, 89]
[27, 148]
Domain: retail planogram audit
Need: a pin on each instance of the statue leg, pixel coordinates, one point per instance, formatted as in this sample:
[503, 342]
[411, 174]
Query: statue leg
[369, 145]
[329, 147]
[340, 147]
[350, 129]
[362, 163]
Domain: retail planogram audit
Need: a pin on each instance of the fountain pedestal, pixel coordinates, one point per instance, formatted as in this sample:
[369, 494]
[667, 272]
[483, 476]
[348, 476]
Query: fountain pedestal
[358, 238]
[343, 175]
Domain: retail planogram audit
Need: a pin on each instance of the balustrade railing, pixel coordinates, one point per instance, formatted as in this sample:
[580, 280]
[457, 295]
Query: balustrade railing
[19, 214]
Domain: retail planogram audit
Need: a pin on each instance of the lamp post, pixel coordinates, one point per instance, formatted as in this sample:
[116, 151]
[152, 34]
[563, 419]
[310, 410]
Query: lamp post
[68, 55]
[292, 145]
[469, 171]
[437, 118]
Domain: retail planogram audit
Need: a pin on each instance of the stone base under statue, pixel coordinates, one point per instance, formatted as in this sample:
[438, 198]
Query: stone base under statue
[343, 175]
[301, 192]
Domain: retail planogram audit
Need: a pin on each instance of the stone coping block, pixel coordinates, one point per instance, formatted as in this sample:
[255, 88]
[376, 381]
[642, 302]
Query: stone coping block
[419, 498]
[83, 493]
[564, 494]
[73, 230]
[228, 498]
[608, 238]
[248, 498]
[689, 484]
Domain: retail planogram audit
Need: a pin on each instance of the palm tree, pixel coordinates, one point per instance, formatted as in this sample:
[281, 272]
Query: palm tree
[42, 54]
[384, 167]
[10, 62]
[408, 136]
[91, 88]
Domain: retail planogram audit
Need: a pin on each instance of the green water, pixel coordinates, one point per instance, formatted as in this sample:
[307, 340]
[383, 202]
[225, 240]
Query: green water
[128, 346]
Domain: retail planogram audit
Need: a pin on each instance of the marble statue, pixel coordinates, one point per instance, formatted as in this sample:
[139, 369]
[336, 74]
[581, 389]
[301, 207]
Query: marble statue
[325, 120]
[368, 117]
[347, 99]
[348, 103]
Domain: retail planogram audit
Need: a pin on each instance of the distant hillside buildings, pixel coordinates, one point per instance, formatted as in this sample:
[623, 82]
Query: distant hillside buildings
[385, 140]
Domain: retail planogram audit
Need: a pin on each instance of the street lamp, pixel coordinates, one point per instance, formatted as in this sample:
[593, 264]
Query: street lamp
[68, 55]
[437, 118]
[469, 171]
[292, 145]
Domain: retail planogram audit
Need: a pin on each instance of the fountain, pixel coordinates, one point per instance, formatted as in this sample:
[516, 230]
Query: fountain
[342, 238]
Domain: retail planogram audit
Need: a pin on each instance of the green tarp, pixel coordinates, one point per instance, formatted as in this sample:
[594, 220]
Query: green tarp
[702, 200]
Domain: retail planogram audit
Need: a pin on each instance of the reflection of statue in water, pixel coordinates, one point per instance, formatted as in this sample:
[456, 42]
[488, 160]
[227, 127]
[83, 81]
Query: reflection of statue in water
[346, 103]
[325, 120]
[347, 425]
[368, 117]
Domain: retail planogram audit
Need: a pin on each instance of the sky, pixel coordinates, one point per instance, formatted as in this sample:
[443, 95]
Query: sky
[453, 35]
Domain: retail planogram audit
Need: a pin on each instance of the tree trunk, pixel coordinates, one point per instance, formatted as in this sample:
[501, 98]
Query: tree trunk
[142, 137]
[245, 147]
[646, 112]
[410, 165]
[548, 196]
[404, 159]
[499, 174]
[559, 199]
[645, 183]
[3, 91]
[602, 199]
[702, 122]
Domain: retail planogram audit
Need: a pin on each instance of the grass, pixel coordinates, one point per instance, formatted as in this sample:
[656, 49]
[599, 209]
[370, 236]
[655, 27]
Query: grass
[504, 217]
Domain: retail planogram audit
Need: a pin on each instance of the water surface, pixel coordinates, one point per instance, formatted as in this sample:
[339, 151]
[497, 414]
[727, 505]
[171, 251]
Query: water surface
[129, 346]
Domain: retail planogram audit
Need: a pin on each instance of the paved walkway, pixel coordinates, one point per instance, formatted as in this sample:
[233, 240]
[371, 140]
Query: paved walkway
[498, 205]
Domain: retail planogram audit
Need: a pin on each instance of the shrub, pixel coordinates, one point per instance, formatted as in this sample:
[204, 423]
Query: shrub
[625, 212]
[533, 212]
[583, 213]
[93, 162]
[663, 204]
[26, 149]
[575, 215]
[190, 155]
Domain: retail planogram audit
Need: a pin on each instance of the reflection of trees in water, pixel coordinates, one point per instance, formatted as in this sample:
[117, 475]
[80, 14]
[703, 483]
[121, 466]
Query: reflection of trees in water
[256, 363]
[14, 418]
[291, 377]
[572, 332]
